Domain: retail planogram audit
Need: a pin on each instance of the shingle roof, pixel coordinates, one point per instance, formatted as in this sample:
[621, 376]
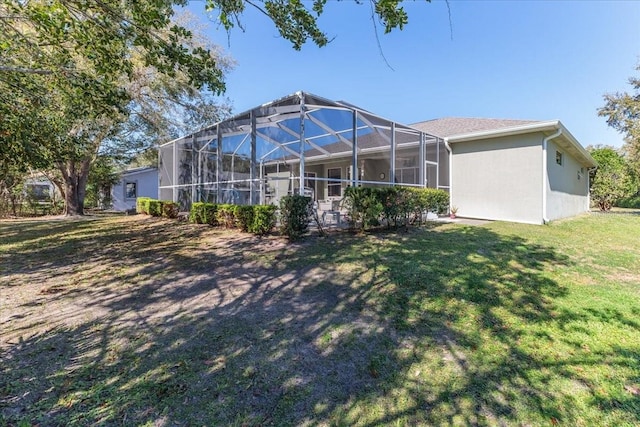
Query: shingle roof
[450, 126]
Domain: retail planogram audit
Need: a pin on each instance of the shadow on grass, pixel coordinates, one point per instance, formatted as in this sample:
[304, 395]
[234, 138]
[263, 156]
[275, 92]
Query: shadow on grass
[168, 323]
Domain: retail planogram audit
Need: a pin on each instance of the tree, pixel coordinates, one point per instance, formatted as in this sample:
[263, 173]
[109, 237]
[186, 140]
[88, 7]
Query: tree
[98, 67]
[622, 111]
[612, 180]
[68, 73]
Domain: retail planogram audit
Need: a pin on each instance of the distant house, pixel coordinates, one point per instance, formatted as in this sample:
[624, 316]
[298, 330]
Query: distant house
[134, 183]
[514, 170]
[40, 188]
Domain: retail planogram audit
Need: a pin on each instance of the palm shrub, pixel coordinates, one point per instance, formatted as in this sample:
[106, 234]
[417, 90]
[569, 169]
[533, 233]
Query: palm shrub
[294, 216]
[264, 219]
[363, 205]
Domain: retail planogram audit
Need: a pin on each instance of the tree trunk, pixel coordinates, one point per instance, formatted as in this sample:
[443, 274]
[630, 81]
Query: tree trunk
[74, 177]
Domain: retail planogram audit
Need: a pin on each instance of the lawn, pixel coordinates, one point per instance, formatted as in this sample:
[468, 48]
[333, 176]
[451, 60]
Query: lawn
[131, 320]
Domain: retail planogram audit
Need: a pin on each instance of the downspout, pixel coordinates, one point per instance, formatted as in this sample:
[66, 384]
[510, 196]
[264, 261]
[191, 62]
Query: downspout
[545, 141]
[448, 147]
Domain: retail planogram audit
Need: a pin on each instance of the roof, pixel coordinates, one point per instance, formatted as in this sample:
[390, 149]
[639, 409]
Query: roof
[142, 169]
[456, 129]
[449, 126]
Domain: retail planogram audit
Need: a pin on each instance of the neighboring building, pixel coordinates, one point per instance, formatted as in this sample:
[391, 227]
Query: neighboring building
[514, 170]
[38, 187]
[510, 170]
[134, 183]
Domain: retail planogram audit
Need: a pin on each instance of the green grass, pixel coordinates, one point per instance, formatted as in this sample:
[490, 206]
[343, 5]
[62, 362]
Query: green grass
[140, 321]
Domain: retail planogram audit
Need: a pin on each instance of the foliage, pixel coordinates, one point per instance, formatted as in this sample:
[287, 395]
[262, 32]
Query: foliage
[297, 23]
[632, 202]
[622, 111]
[612, 180]
[363, 206]
[264, 219]
[294, 216]
[244, 217]
[142, 205]
[102, 177]
[368, 207]
[226, 215]
[76, 75]
[170, 209]
[203, 213]
[155, 207]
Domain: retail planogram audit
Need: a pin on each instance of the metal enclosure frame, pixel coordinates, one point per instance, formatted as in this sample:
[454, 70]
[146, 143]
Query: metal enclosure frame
[288, 145]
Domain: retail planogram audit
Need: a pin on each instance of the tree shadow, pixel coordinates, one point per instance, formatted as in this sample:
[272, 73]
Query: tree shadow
[171, 323]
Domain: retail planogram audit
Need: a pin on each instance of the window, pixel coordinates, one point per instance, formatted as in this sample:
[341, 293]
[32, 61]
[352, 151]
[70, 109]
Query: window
[39, 192]
[334, 188]
[580, 174]
[559, 159]
[130, 190]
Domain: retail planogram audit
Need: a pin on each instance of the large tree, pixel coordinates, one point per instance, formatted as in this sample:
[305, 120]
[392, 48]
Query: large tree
[622, 110]
[75, 75]
[71, 70]
[614, 178]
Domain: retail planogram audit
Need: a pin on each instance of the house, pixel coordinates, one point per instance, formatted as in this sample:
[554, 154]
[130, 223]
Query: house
[303, 143]
[514, 170]
[134, 183]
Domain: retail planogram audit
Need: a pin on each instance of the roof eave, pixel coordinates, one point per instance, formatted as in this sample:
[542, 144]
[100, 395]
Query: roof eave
[551, 125]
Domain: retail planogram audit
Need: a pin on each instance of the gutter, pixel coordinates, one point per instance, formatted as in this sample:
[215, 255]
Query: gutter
[448, 147]
[545, 179]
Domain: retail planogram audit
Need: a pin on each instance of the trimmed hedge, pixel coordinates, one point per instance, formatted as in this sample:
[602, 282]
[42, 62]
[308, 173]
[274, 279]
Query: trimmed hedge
[204, 213]
[155, 207]
[632, 202]
[142, 205]
[170, 209]
[396, 206]
[226, 215]
[255, 219]
[264, 219]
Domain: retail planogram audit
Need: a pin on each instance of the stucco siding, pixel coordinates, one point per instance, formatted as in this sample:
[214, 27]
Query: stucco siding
[498, 179]
[568, 185]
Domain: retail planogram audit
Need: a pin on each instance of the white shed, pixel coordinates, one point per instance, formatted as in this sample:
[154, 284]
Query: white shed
[134, 183]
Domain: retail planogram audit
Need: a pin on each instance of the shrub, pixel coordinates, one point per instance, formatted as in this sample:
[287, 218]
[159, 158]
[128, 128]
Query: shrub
[170, 209]
[155, 207]
[226, 215]
[203, 213]
[294, 216]
[142, 205]
[363, 206]
[629, 202]
[244, 217]
[264, 219]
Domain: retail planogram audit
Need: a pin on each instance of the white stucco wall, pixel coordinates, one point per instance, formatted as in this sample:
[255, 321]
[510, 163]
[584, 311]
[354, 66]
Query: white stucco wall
[498, 179]
[146, 185]
[567, 189]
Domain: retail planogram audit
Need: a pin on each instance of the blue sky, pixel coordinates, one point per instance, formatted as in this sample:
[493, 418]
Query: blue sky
[537, 60]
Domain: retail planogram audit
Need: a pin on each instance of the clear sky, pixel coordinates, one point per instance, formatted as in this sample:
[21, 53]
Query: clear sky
[538, 60]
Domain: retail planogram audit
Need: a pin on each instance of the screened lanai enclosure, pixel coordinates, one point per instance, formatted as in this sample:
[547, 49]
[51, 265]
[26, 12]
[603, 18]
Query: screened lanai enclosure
[299, 144]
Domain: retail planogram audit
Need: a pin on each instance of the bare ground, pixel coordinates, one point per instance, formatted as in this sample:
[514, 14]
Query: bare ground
[173, 313]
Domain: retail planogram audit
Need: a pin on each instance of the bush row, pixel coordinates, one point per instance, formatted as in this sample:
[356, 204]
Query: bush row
[153, 207]
[394, 206]
[255, 219]
[632, 202]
